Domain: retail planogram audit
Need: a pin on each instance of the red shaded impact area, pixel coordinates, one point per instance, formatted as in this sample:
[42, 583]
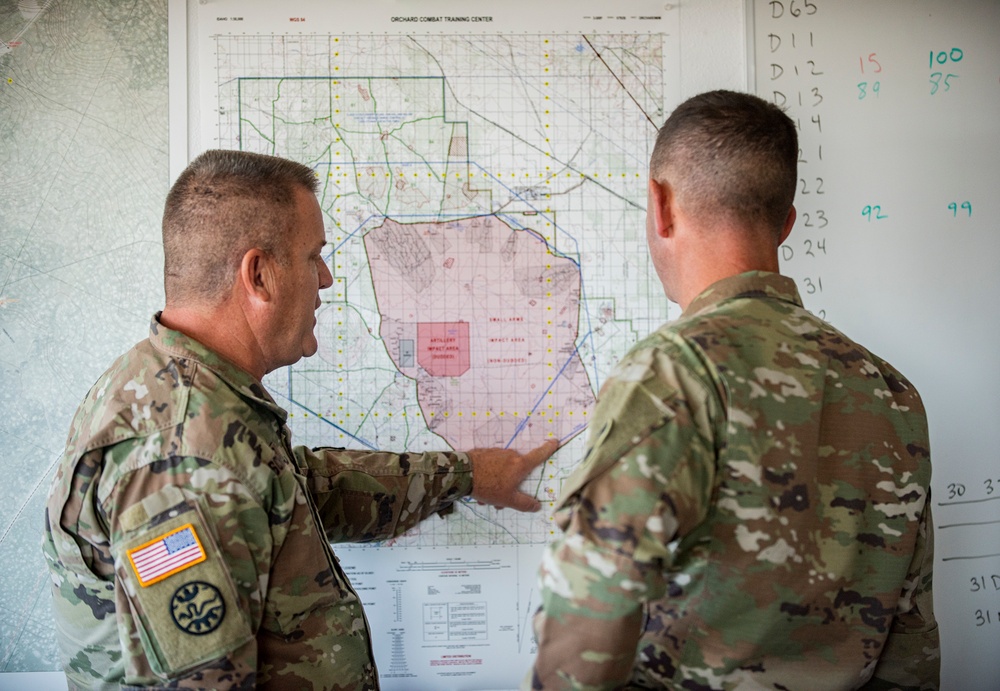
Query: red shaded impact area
[443, 348]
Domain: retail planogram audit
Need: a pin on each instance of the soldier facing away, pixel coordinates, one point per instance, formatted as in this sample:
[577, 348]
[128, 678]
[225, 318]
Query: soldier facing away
[187, 538]
[753, 510]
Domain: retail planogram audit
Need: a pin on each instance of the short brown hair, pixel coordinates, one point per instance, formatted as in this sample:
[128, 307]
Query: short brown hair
[224, 204]
[732, 155]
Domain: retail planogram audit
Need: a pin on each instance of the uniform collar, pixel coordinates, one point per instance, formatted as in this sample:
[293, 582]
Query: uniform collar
[752, 284]
[179, 345]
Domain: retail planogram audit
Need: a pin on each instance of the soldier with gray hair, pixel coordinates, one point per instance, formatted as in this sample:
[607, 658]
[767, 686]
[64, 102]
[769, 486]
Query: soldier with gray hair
[187, 538]
[753, 509]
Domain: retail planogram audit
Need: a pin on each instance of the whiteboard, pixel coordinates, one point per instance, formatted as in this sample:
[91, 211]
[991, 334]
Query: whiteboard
[898, 108]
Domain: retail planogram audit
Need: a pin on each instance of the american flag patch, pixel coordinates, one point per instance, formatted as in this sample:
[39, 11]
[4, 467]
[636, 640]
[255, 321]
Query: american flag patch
[166, 555]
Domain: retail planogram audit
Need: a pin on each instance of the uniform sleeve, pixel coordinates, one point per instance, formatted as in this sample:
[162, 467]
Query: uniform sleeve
[192, 547]
[363, 497]
[641, 488]
[911, 658]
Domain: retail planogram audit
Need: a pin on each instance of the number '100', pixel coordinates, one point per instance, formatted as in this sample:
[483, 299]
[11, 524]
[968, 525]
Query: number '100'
[955, 55]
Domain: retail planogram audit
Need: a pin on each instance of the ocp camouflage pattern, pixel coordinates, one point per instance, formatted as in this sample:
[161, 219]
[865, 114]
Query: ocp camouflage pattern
[752, 513]
[174, 438]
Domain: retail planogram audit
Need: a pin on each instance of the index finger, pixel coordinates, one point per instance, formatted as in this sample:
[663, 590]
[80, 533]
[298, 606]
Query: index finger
[540, 454]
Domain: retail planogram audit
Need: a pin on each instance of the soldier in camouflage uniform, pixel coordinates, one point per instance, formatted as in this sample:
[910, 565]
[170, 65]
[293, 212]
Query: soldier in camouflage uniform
[753, 510]
[188, 540]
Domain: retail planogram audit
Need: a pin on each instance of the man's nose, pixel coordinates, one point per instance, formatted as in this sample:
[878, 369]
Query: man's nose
[325, 276]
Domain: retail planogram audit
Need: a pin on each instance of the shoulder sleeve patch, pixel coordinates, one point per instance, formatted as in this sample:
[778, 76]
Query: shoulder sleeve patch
[182, 597]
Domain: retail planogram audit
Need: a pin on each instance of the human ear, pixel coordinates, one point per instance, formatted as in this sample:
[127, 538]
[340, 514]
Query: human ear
[256, 275]
[660, 210]
[789, 222]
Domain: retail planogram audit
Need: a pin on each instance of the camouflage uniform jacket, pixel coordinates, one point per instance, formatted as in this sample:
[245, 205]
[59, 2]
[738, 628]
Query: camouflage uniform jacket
[752, 513]
[188, 541]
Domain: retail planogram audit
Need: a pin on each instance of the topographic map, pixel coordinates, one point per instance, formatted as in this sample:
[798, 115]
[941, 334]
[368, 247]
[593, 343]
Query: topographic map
[483, 175]
[484, 190]
[485, 200]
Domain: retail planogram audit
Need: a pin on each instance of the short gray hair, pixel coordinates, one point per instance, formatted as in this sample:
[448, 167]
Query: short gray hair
[224, 204]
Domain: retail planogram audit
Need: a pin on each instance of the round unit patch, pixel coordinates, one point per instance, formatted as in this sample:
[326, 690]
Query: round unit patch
[197, 608]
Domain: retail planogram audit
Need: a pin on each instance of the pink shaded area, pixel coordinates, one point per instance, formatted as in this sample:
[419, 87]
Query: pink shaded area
[443, 348]
[513, 375]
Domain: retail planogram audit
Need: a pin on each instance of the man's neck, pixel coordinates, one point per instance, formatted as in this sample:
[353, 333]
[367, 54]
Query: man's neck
[220, 328]
[714, 261]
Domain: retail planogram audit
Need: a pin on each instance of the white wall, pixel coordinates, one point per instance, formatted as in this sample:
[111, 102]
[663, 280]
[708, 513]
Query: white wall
[713, 46]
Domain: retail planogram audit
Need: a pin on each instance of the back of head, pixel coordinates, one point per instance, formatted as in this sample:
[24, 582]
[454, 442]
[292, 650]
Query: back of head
[730, 157]
[224, 204]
